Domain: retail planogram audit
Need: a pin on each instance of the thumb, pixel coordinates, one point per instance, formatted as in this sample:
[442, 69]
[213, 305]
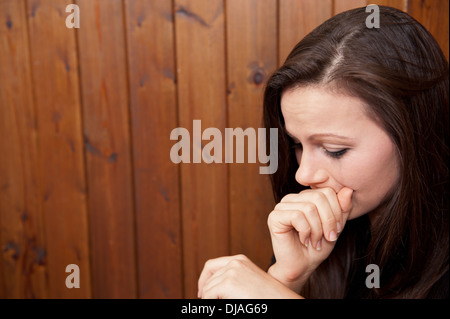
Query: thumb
[345, 199]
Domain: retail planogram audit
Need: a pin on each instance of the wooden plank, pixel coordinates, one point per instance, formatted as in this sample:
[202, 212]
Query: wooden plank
[297, 18]
[23, 269]
[107, 141]
[153, 116]
[57, 104]
[251, 58]
[433, 14]
[344, 5]
[200, 47]
[399, 4]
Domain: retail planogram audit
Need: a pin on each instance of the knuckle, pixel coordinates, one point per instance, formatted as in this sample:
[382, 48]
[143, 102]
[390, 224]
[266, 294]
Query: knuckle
[295, 214]
[318, 196]
[208, 263]
[235, 263]
[297, 217]
[305, 229]
[272, 217]
[329, 191]
[278, 206]
[231, 273]
[310, 209]
[288, 198]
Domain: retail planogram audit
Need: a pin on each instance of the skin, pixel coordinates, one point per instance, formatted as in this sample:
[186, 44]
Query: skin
[351, 166]
[369, 167]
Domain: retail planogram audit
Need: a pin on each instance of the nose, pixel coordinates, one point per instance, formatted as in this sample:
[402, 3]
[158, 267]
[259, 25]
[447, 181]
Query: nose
[310, 172]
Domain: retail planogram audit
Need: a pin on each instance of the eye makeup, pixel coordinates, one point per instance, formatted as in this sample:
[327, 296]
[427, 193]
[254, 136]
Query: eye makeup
[336, 154]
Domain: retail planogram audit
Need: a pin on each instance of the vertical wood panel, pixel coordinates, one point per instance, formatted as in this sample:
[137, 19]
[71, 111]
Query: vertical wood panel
[22, 266]
[399, 4]
[55, 82]
[107, 142]
[251, 57]
[141, 224]
[433, 14]
[344, 5]
[153, 109]
[200, 48]
[297, 18]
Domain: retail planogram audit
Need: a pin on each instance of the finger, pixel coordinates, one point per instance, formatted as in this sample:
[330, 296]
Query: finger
[225, 277]
[290, 218]
[212, 291]
[310, 229]
[211, 267]
[212, 283]
[302, 226]
[326, 214]
[334, 205]
[345, 201]
[312, 216]
[289, 198]
[323, 209]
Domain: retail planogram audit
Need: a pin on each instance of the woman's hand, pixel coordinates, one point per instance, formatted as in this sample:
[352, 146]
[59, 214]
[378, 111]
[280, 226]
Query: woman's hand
[238, 277]
[304, 229]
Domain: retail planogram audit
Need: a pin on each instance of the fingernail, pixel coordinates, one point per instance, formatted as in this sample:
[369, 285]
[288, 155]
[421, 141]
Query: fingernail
[307, 242]
[319, 245]
[333, 236]
[339, 227]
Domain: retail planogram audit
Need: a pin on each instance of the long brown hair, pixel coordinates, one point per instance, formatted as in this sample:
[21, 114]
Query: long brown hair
[402, 75]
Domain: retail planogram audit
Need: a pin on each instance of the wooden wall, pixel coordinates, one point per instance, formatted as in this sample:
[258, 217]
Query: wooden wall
[85, 120]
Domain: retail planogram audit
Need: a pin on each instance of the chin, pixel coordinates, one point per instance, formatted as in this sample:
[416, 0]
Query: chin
[355, 213]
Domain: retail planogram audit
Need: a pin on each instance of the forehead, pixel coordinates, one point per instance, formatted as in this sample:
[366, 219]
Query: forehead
[320, 110]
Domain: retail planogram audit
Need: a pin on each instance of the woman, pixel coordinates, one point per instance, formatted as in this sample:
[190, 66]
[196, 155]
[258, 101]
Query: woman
[363, 175]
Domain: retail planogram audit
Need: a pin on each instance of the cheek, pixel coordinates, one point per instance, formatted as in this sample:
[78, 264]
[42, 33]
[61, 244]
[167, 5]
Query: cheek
[372, 177]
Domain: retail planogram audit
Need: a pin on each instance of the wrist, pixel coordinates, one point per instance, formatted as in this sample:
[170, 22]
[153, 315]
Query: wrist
[293, 281]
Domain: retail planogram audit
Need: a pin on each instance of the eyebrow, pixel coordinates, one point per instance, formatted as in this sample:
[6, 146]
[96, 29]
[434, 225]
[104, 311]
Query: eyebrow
[318, 136]
[323, 135]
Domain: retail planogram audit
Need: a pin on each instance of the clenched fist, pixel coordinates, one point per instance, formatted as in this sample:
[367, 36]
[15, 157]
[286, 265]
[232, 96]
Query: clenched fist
[304, 228]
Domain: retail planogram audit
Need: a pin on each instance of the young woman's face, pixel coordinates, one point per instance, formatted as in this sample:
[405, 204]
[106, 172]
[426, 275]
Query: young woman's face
[339, 145]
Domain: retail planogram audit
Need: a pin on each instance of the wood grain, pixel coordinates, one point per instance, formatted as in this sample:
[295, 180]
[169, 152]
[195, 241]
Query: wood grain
[344, 5]
[433, 14]
[297, 18]
[85, 120]
[152, 77]
[201, 74]
[55, 81]
[251, 58]
[23, 270]
[107, 143]
[399, 4]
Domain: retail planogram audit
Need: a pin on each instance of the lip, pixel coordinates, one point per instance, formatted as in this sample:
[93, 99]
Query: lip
[319, 187]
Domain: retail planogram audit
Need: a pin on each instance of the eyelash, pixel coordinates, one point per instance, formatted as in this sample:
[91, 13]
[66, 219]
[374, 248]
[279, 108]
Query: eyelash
[335, 155]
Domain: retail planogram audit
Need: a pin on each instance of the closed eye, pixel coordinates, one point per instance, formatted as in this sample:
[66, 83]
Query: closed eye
[336, 154]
